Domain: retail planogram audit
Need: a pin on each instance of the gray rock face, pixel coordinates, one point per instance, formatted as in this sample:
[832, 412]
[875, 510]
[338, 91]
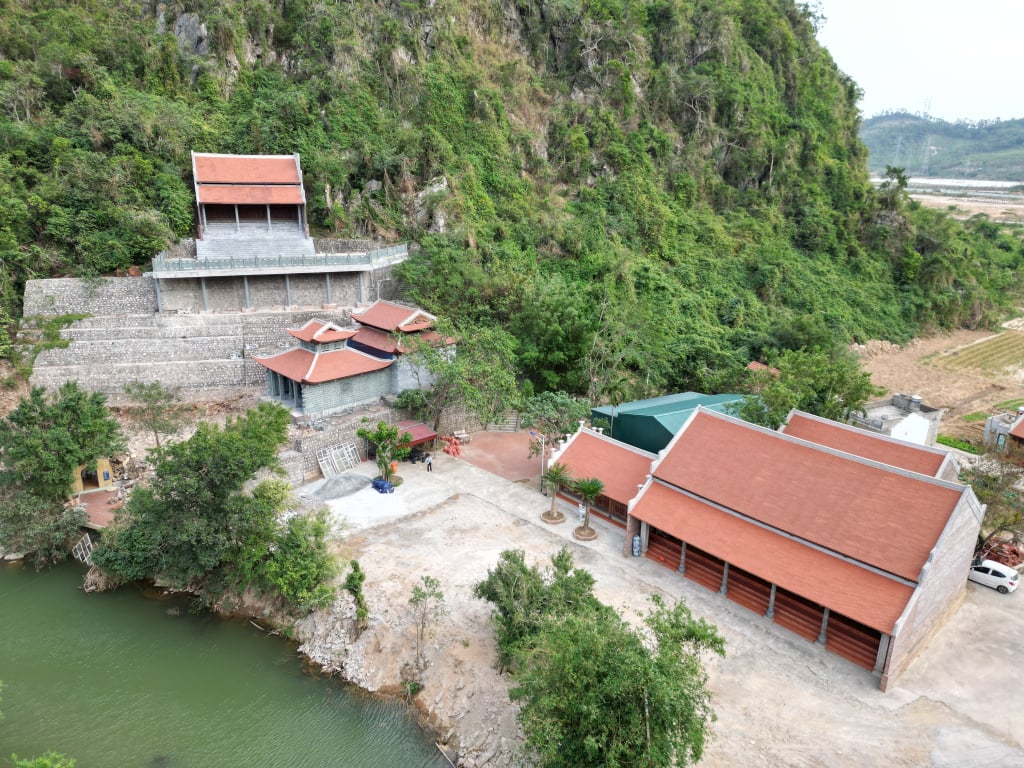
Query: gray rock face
[191, 35]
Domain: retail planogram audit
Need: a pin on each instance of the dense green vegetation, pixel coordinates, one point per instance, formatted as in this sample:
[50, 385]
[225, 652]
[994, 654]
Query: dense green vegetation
[928, 146]
[44, 441]
[592, 689]
[645, 194]
[201, 524]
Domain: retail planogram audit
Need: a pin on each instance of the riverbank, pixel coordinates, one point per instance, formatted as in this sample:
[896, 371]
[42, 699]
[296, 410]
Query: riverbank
[779, 700]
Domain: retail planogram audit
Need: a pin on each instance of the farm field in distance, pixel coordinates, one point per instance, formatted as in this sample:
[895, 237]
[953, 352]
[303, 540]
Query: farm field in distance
[966, 372]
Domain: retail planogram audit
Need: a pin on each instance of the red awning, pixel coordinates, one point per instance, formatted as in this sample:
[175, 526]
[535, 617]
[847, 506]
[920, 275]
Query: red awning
[420, 432]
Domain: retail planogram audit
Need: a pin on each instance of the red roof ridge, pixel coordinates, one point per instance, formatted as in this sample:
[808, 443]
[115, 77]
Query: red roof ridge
[325, 326]
[393, 316]
[863, 432]
[827, 449]
[617, 443]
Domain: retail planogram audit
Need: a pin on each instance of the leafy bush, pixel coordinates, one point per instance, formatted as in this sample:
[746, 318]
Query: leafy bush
[300, 568]
[960, 445]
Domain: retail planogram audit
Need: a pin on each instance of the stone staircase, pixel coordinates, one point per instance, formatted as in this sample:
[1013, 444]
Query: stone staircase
[252, 242]
[508, 423]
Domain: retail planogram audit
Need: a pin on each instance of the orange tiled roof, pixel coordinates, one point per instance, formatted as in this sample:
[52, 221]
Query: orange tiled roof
[388, 316]
[321, 331]
[754, 365]
[250, 194]
[317, 368]
[246, 169]
[248, 179]
[860, 442]
[419, 431]
[861, 594]
[378, 340]
[878, 515]
[622, 468]
[1017, 430]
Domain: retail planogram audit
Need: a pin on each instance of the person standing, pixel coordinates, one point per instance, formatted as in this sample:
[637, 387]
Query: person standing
[429, 461]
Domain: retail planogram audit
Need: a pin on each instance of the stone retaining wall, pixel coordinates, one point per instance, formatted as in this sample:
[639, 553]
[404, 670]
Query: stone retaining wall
[92, 296]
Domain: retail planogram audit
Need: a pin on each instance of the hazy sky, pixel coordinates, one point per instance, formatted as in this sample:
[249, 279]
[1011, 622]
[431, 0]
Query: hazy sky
[952, 58]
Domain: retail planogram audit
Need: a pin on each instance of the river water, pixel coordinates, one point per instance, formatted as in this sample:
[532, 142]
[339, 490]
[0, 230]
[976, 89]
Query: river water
[117, 680]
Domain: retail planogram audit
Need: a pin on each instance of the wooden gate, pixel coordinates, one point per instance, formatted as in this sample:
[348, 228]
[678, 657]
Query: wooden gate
[798, 614]
[748, 590]
[664, 548]
[852, 640]
[704, 568]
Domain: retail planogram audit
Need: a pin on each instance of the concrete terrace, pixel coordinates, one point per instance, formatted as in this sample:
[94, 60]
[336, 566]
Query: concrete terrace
[780, 700]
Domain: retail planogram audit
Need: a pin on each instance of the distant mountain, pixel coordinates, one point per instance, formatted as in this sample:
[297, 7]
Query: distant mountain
[927, 146]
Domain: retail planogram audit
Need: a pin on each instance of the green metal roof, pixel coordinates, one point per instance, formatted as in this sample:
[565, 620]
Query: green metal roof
[651, 424]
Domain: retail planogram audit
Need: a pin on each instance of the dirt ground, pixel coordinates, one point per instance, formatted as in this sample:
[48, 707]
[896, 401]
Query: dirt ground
[780, 701]
[913, 370]
[963, 207]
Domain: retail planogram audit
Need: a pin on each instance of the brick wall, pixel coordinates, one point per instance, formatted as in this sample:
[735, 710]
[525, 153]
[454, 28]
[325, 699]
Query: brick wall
[94, 296]
[941, 587]
[188, 351]
[344, 394]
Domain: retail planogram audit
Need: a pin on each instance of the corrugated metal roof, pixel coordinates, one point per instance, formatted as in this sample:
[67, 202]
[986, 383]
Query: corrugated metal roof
[1017, 430]
[861, 594]
[887, 450]
[651, 424]
[878, 515]
[317, 368]
[622, 468]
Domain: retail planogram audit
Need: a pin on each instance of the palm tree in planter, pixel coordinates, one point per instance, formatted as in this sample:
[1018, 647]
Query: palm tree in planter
[556, 476]
[589, 488]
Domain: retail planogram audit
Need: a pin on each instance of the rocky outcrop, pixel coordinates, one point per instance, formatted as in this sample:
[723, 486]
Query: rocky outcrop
[463, 699]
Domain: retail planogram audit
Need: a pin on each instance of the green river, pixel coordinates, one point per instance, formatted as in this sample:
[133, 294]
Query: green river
[117, 680]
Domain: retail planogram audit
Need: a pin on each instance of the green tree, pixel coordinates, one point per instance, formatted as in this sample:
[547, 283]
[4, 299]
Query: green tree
[893, 190]
[300, 568]
[479, 372]
[524, 597]
[556, 475]
[390, 445]
[589, 488]
[553, 415]
[190, 519]
[594, 691]
[156, 407]
[47, 436]
[426, 606]
[354, 585]
[49, 760]
[830, 385]
[995, 478]
[39, 526]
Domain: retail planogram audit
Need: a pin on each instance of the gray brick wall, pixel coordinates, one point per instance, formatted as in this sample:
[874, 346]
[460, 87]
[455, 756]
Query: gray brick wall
[334, 396]
[97, 296]
[189, 351]
[941, 588]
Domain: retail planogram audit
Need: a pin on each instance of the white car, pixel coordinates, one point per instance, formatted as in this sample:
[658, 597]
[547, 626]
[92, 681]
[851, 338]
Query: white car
[1001, 578]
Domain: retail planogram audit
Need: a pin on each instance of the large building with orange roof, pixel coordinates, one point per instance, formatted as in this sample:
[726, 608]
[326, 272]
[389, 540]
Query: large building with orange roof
[852, 542]
[335, 369]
